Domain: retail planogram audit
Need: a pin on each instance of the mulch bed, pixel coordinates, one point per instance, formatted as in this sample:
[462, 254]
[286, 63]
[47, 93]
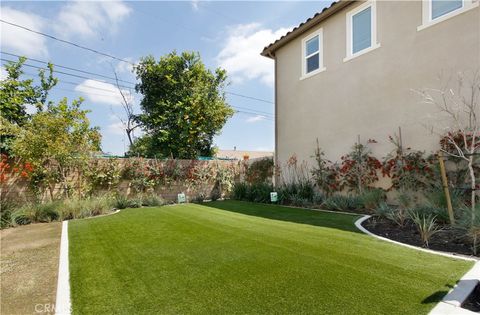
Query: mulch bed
[472, 303]
[447, 240]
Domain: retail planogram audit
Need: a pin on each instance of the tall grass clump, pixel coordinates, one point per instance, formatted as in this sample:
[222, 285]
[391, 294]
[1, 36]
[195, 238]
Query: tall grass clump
[342, 203]
[426, 225]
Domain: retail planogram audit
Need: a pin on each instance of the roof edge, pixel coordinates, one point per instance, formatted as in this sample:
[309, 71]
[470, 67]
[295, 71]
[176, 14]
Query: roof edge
[269, 51]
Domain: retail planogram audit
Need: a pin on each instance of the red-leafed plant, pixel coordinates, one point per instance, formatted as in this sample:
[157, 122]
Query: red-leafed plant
[359, 168]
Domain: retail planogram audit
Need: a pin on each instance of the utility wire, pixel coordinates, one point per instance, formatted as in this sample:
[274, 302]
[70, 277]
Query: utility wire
[68, 68]
[111, 78]
[65, 73]
[68, 42]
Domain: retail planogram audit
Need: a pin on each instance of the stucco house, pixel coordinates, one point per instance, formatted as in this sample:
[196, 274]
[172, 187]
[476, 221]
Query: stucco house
[352, 70]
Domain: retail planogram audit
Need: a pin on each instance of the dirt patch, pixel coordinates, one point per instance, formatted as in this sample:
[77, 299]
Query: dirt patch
[29, 266]
[446, 240]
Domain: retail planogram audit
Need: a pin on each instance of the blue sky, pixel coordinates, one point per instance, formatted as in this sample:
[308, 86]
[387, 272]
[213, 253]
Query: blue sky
[227, 34]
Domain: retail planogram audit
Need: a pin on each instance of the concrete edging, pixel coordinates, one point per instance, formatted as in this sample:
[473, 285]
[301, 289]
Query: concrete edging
[452, 302]
[62, 304]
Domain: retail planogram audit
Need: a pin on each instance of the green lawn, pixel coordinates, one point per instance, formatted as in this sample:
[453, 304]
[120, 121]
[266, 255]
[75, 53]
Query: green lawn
[241, 258]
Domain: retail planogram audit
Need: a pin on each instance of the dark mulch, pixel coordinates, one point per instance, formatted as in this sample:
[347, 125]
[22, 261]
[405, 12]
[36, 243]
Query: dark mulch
[447, 240]
[472, 303]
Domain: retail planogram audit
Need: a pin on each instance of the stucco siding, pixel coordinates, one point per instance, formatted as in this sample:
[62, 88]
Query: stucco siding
[371, 95]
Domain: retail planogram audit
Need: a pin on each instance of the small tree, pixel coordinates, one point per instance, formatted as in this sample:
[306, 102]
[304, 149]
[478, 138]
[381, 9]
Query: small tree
[56, 141]
[460, 105]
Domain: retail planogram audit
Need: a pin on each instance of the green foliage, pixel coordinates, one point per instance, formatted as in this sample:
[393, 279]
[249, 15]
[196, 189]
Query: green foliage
[16, 94]
[290, 193]
[383, 210]
[372, 198]
[470, 224]
[183, 106]
[325, 173]
[56, 141]
[32, 212]
[152, 200]
[342, 203]
[259, 171]
[257, 192]
[426, 225]
[102, 174]
[240, 190]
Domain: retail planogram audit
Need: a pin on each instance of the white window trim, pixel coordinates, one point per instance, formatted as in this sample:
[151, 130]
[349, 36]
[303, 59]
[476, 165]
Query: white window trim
[427, 20]
[321, 67]
[374, 44]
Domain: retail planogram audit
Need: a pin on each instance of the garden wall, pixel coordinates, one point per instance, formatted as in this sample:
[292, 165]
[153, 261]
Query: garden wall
[129, 177]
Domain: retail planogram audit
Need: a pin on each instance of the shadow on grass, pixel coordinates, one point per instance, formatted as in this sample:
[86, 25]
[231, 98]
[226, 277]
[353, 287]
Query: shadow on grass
[274, 212]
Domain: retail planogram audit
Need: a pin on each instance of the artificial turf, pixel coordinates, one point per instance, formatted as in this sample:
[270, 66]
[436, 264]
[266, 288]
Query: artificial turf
[232, 257]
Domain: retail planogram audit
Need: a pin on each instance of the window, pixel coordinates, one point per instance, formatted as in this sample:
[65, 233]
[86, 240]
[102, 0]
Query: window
[442, 7]
[436, 11]
[361, 30]
[312, 54]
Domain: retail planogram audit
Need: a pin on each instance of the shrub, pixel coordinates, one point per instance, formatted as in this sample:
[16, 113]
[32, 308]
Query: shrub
[470, 225]
[342, 203]
[152, 200]
[240, 190]
[383, 210]
[259, 192]
[372, 198]
[121, 202]
[83, 208]
[259, 171]
[426, 225]
[33, 212]
[398, 215]
[6, 209]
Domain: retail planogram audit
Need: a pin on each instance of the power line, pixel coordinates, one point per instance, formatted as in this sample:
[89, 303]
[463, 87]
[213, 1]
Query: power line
[250, 97]
[65, 73]
[68, 42]
[68, 68]
[107, 77]
[238, 109]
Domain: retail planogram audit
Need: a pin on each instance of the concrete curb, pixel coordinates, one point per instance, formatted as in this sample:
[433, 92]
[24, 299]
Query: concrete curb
[62, 304]
[452, 302]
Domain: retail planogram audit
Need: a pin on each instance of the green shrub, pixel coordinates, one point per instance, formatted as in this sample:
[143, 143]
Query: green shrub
[342, 203]
[121, 202]
[32, 212]
[135, 203]
[76, 208]
[152, 200]
[240, 190]
[426, 225]
[6, 209]
[372, 198]
[470, 225]
[383, 210]
[259, 192]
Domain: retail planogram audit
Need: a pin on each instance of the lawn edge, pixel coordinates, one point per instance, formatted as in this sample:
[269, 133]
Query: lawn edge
[452, 301]
[63, 302]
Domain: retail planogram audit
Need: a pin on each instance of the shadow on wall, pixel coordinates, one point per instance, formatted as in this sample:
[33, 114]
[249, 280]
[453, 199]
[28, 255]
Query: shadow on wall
[339, 221]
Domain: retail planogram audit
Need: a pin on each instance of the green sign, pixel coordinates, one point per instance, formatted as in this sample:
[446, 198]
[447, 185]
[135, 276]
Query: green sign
[273, 196]
[181, 198]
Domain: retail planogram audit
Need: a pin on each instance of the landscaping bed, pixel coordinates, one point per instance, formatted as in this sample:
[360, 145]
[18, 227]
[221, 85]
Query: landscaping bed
[447, 240]
[472, 303]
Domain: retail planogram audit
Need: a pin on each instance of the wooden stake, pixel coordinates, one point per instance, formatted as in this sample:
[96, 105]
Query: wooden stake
[445, 187]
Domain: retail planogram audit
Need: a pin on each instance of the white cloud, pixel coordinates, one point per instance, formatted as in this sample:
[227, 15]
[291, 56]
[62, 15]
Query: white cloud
[116, 128]
[20, 41]
[255, 119]
[86, 18]
[240, 55]
[101, 92]
[195, 4]
[3, 73]
[123, 67]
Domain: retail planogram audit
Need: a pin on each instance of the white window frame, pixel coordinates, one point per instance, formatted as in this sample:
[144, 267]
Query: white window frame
[349, 44]
[428, 21]
[321, 67]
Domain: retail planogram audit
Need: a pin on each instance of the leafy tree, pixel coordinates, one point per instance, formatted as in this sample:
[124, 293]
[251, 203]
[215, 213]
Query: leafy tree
[183, 106]
[56, 141]
[16, 94]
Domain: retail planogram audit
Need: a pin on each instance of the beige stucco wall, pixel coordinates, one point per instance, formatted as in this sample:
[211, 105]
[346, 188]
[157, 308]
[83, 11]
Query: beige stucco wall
[370, 95]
